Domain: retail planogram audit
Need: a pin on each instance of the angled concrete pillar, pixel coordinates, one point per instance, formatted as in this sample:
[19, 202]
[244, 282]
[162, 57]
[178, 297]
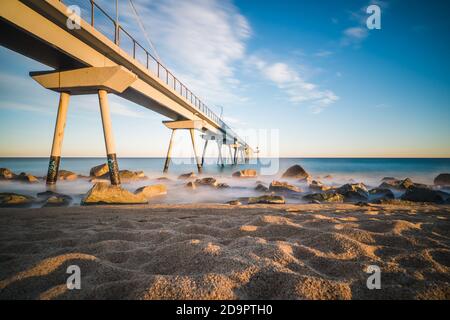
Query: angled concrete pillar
[169, 151]
[220, 159]
[204, 152]
[199, 167]
[109, 138]
[58, 135]
[231, 154]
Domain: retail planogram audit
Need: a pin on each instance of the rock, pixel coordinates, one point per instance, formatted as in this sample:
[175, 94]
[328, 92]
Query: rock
[234, 203]
[163, 179]
[223, 185]
[151, 191]
[441, 180]
[103, 193]
[99, 170]
[328, 177]
[54, 199]
[262, 188]
[126, 176]
[206, 182]
[15, 200]
[188, 175]
[67, 175]
[283, 187]
[389, 179]
[417, 194]
[247, 173]
[318, 186]
[267, 199]
[6, 174]
[354, 192]
[295, 172]
[397, 184]
[25, 177]
[325, 197]
[377, 195]
[191, 185]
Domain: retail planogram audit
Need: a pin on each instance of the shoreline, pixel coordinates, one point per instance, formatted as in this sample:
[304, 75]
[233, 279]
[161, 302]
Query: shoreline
[217, 251]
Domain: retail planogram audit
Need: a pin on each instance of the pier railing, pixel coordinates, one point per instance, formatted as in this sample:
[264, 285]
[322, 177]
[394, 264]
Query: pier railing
[111, 28]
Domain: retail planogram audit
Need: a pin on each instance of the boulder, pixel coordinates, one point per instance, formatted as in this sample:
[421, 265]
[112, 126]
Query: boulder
[418, 194]
[26, 177]
[163, 179]
[318, 186]
[6, 174]
[389, 179]
[223, 185]
[99, 170]
[15, 200]
[283, 187]
[295, 172]
[442, 180]
[191, 185]
[188, 175]
[151, 191]
[67, 175]
[247, 173]
[267, 199]
[397, 184]
[103, 193]
[378, 194]
[354, 192]
[328, 176]
[126, 176]
[54, 199]
[207, 182]
[262, 188]
[324, 197]
[234, 203]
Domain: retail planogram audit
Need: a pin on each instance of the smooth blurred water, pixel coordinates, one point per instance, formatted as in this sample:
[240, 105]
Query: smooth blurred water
[342, 170]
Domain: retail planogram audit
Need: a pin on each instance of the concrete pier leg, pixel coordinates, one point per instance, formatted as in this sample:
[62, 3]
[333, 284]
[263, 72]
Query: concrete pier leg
[204, 152]
[109, 138]
[55, 156]
[235, 156]
[220, 162]
[231, 154]
[169, 151]
[199, 167]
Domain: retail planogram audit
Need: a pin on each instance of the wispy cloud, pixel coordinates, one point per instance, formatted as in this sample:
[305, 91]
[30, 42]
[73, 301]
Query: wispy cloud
[298, 90]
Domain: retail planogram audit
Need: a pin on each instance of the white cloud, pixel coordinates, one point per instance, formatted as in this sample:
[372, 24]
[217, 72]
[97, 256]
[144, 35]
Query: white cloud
[323, 53]
[293, 85]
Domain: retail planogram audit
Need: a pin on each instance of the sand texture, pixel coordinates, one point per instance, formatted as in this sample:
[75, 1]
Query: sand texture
[226, 252]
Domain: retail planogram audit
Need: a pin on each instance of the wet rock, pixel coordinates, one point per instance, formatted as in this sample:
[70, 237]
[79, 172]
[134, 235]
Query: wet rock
[442, 180]
[26, 177]
[163, 179]
[389, 179]
[234, 203]
[267, 199]
[67, 175]
[99, 170]
[191, 185]
[261, 188]
[354, 192]
[6, 174]
[328, 177]
[209, 181]
[283, 187]
[247, 173]
[325, 197]
[295, 172]
[103, 193]
[188, 175]
[8, 200]
[151, 191]
[54, 199]
[125, 176]
[318, 186]
[378, 194]
[418, 194]
[223, 185]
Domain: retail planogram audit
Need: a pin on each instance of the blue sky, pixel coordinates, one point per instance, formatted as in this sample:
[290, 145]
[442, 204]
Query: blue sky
[309, 69]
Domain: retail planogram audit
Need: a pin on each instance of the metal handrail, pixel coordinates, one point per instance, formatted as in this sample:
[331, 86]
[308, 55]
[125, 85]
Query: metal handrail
[188, 95]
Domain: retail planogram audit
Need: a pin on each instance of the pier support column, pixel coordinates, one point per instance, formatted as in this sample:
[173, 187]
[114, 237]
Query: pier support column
[204, 152]
[220, 160]
[58, 135]
[199, 167]
[169, 151]
[235, 156]
[231, 154]
[109, 138]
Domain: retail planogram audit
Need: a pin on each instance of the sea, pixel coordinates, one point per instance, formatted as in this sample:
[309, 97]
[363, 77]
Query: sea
[330, 171]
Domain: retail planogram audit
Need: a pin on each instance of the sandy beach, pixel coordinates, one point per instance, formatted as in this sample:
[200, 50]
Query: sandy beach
[303, 251]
